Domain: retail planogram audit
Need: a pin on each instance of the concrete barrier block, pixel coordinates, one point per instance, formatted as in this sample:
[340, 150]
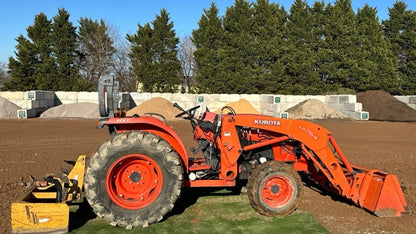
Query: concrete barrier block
[317, 97]
[290, 98]
[139, 98]
[29, 113]
[266, 98]
[30, 95]
[273, 107]
[32, 104]
[178, 97]
[284, 115]
[359, 115]
[66, 101]
[251, 97]
[10, 95]
[61, 95]
[405, 99]
[347, 99]
[344, 99]
[279, 99]
[51, 103]
[346, 106]
[332, 99]
[267, 112]
[299, 98]
[87, 95]
[45, 103]
[167, 96]
[39, 95]
[209, 99]
[412, 100]
[229, 98]
[88, 100]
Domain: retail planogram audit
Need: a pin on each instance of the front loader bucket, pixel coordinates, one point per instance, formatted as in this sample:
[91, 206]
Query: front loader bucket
[379, 193]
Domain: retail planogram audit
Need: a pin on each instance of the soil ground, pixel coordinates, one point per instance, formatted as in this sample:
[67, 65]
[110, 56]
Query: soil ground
[38, 146]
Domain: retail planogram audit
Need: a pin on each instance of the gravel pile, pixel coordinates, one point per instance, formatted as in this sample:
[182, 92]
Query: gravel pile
[241, 106]
[8, 110]
[314, 109]
[156, 105]
[74, 110]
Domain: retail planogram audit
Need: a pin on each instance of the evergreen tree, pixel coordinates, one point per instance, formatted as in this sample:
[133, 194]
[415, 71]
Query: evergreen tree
[142, 57]
[65, 44]
[301, 77]
[320, 47]
[154, 55]
[268, 32]
[208, 40]
[166, 53]
[340, 35]
[40, 35]
[400, 29]
[96, 48]
[238, 53]
[375, 66]
[22, 69]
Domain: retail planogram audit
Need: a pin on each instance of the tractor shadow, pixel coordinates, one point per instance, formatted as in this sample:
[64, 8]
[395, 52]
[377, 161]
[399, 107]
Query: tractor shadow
[190, 196]
[79, 215]
[309, 183]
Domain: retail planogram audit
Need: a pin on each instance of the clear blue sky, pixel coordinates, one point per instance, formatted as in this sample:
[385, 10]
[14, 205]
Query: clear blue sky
[17, 15]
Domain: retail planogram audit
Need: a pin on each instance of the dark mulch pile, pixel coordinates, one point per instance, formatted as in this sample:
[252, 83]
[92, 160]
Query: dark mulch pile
[384, 107]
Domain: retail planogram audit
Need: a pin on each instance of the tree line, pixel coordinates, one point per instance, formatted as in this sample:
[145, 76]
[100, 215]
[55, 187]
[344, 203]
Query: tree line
[58, 56]
[256, 47]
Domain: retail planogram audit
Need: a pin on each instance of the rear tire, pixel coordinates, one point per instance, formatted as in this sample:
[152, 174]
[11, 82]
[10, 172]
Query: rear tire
[134, 179]
[274, 189]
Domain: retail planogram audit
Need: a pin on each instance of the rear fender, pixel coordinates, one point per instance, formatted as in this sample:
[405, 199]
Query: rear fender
[148, 124]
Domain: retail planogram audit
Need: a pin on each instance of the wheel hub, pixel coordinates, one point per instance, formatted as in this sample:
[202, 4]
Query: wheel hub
[275, 189]
[134, 181]
[135, 177]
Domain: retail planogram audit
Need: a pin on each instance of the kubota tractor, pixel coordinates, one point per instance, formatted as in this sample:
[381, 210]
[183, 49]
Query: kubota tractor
[136, 176]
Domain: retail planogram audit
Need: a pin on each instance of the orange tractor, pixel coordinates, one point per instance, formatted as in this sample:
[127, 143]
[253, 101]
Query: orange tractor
[135, 178]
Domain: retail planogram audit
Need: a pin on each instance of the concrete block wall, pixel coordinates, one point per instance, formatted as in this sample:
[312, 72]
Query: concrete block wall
[32, 103]
[75, 97]
[36, 101]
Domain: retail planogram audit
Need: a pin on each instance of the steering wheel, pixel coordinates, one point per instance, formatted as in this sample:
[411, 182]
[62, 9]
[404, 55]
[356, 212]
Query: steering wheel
[187, 112]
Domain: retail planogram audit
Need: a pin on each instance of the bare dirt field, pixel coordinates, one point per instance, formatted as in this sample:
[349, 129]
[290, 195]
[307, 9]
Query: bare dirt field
[39, 146]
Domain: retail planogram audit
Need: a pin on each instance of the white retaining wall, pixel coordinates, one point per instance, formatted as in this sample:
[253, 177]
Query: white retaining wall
[34, 102]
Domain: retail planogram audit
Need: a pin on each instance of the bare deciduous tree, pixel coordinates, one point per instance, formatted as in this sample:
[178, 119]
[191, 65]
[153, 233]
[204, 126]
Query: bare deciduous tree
[122, 67]
[4, 76]
[189, 67]
[97, 49]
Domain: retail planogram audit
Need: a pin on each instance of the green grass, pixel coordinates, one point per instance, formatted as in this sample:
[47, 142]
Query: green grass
[210, 213]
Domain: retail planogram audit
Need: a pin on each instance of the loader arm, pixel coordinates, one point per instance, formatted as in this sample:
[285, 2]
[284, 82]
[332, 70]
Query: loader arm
[373, 190]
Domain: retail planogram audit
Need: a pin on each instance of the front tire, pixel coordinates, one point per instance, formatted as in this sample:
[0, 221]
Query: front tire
[134, 179]
[274, 189]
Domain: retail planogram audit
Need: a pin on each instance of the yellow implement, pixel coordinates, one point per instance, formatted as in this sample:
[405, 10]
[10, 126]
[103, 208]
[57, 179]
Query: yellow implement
[45, 209]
